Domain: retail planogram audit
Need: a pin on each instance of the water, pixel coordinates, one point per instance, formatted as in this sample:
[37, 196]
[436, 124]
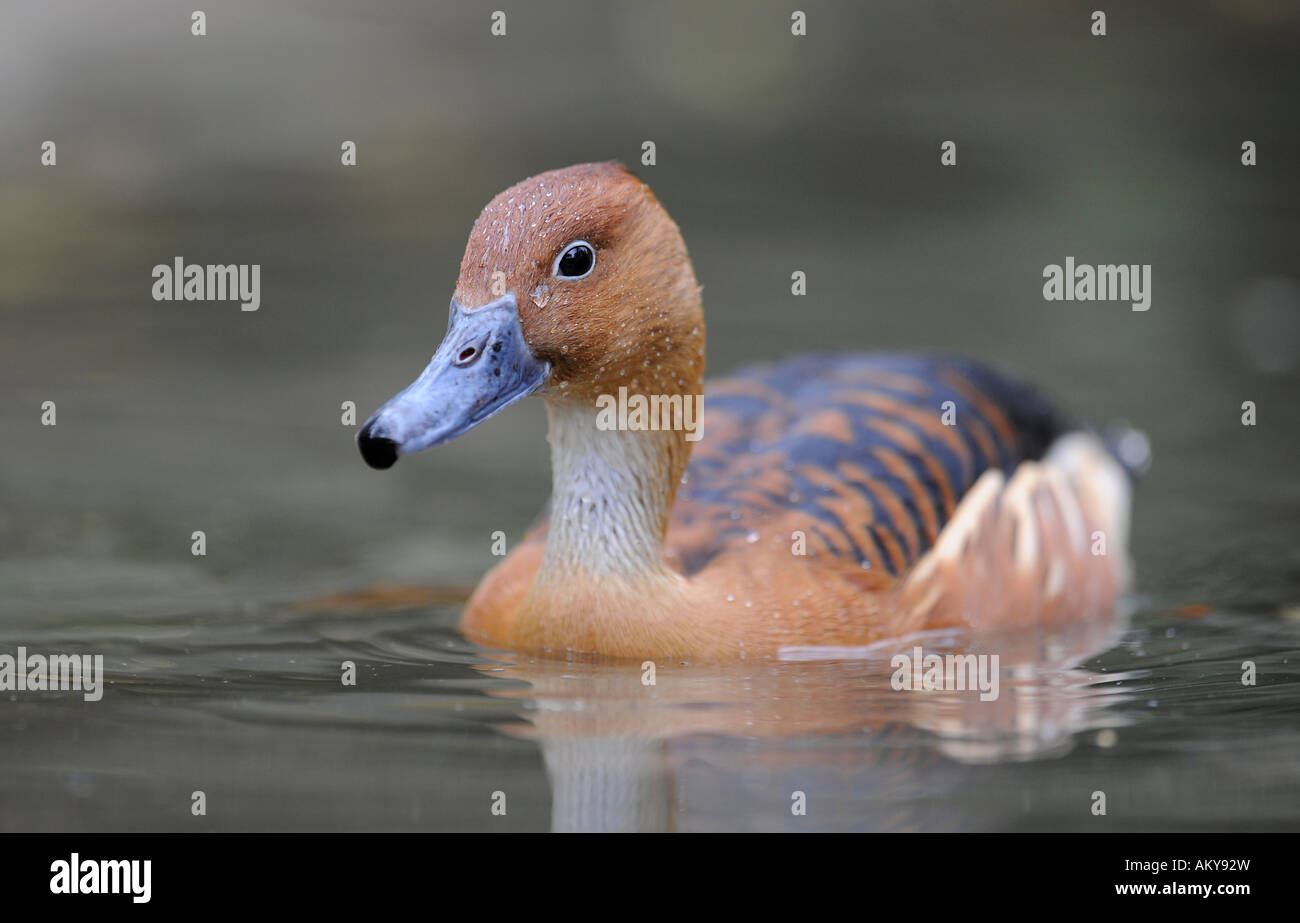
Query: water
[246, 705]
[224, 671]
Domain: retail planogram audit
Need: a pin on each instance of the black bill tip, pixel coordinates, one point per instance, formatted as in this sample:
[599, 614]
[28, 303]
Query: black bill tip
[378, 452]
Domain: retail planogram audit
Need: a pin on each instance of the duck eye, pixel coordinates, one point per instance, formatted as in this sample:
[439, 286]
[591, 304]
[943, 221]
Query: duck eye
[575, 261]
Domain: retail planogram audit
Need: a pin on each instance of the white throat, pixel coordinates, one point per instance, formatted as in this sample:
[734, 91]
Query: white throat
[610, 496]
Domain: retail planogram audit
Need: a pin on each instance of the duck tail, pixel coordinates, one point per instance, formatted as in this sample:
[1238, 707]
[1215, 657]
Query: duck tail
[1049, 545]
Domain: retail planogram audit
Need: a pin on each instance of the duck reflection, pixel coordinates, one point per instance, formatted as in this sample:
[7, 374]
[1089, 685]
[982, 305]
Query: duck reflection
[617, 736]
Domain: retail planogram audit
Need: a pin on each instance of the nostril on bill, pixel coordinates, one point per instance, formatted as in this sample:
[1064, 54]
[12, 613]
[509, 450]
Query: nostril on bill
[469, 353]
[378, 452]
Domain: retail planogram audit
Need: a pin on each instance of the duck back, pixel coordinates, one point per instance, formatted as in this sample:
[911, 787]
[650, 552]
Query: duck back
[869, 454]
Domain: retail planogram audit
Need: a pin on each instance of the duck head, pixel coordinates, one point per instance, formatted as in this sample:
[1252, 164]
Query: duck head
[574, 283]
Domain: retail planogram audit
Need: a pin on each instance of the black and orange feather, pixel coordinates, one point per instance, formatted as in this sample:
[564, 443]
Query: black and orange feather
[872, 453]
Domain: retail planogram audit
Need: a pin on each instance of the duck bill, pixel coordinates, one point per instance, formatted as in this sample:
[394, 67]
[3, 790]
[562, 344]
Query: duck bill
[482, 366]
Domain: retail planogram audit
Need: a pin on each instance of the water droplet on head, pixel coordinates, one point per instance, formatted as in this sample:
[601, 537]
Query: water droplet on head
[541, 295]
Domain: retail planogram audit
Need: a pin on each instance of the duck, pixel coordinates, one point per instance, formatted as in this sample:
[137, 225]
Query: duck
[818, 502]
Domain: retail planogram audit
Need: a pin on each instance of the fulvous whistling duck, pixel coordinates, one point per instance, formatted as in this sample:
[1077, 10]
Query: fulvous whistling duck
[829, 501]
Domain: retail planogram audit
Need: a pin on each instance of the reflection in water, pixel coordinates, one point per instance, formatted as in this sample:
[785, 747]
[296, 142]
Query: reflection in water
[246, 704]
[611, 739]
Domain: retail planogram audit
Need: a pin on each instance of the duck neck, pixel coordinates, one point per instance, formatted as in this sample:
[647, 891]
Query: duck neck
[612, 493]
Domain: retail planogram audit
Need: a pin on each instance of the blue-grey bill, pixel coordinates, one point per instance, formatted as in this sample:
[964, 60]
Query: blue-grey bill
[482, 366]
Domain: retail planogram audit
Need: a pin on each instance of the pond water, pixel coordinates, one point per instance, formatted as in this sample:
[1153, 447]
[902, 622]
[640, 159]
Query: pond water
[246, 706]
[223, 671]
